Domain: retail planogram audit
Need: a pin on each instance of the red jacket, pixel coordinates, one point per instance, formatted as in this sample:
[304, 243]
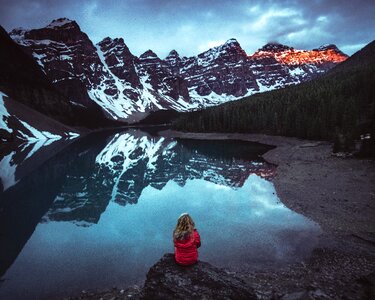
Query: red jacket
[185, 251]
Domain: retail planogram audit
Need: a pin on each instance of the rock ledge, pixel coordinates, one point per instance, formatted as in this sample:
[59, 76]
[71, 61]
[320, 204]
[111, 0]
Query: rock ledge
[166, 280]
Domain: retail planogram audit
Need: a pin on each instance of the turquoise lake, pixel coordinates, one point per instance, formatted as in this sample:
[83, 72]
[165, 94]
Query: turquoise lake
[101, 212]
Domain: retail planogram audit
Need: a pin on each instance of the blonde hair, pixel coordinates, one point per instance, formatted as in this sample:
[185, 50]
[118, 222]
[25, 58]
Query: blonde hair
[184, 228]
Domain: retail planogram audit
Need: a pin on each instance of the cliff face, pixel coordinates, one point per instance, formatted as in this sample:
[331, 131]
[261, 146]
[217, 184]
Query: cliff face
[105, 75]
[23, 80]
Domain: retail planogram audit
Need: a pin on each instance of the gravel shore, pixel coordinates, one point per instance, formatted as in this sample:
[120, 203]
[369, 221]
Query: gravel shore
[337, 193]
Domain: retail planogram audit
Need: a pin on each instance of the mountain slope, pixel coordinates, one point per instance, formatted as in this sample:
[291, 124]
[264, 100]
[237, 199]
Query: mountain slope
[21, 123]
[340, 104]
[128, 87]
[22, 79]
[106, 74]
[227, 73]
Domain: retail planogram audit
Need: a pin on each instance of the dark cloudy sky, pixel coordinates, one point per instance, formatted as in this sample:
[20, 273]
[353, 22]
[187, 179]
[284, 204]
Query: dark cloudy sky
[193, 26]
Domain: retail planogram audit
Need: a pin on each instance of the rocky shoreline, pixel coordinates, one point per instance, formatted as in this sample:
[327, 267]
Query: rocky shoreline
[337, 193]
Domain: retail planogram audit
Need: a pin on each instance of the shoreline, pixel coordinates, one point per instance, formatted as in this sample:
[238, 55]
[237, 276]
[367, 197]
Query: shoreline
[337, 193]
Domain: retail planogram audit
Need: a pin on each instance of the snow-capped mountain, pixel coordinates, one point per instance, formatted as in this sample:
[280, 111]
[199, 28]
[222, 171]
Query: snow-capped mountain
[30, 96]
[128, 87]
[107, 73]
[218, 75]
[286, 65]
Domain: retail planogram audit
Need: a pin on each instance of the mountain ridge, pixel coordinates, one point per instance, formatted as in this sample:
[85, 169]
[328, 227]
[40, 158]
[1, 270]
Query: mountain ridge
[128, 87]
[338, 106]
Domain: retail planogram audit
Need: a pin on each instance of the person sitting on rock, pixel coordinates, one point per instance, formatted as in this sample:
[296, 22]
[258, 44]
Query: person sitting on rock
[186, 241]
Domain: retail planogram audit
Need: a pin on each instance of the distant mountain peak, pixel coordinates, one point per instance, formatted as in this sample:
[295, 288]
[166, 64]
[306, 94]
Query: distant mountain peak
[231, 41]
[61, 22]
[275, 47]
[231, 44]
[173, 54]
[230, 47]
[332, 47]
[148, 54]
[328, 46]
[106, 40]
[18, 30]
[289, 56]
[18, 33]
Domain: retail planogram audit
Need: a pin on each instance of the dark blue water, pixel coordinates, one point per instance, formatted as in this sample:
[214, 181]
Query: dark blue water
[101, 211]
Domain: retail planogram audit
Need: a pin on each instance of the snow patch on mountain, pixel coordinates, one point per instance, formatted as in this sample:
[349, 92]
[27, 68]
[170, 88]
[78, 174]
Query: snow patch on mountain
[118, 105]
[7, 171]
[264, 87]
[59, 22]
[72, 135]
[147, 97]
[4, 114]
[38, 135]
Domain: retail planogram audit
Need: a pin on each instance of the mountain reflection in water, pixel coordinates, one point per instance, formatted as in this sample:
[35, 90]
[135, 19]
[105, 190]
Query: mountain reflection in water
[132, 161]
[70, 224]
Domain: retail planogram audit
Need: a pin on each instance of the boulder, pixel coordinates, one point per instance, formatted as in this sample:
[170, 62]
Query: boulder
[167, 280]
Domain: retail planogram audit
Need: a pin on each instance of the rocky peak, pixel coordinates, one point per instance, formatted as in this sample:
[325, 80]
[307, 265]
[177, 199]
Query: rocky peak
[173, 61]
[106, 40]
[172, 55]
[325, 56]
[232, 47]
[62, 23]
[231, 43]
[230, 50]
[117, 46]
[275, 47]
[119, 60]
[330, 47]
[149, 54]
[107, 74]
[61, 30]
[20, 31]
[149, 60]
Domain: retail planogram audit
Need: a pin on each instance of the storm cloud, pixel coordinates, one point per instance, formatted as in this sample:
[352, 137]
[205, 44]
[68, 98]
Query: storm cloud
[194, 26]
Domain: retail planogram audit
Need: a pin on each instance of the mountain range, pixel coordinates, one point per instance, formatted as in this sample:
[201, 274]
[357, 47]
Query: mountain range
[338, 106]
[127, 88]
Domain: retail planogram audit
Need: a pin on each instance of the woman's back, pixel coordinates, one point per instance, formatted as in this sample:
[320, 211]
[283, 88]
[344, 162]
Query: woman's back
[186, 240]
[186, 252]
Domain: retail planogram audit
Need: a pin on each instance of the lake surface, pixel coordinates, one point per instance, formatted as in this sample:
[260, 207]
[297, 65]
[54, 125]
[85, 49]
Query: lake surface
[101, 212]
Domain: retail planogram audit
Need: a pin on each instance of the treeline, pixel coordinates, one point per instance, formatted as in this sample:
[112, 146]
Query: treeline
[338, 105]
